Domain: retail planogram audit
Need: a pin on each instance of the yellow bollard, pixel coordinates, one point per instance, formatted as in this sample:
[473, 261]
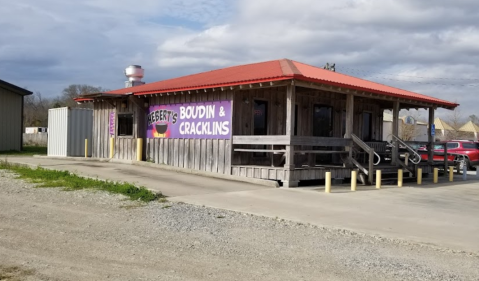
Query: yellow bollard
[419, 176]
[400, 176]
[327, 188]
[354, 180]
[112, 147]
[378, 179]
[451, 173]
[436, 173]
[86, 148]
[139, 149]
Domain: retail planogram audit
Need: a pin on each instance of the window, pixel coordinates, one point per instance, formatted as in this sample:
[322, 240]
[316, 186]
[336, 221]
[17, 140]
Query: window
[452, 145]
[260, 112]
[469, 145]
[367, 126]
[125, 124]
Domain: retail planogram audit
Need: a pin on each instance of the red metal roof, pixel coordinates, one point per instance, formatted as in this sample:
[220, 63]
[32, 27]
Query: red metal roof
[83, 99]
[276, 70]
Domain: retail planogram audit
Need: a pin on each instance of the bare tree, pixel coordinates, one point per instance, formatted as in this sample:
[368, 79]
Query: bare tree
[409, 132]
[456, 120]
[74, 91]
[35, 110]
[36, 107]
[474, 118]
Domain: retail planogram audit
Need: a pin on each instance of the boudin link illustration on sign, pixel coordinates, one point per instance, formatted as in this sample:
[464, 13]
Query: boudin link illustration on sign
[204, 120]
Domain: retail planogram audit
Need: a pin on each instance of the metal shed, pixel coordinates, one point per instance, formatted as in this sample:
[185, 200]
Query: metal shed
[11, 116]
[67, 130]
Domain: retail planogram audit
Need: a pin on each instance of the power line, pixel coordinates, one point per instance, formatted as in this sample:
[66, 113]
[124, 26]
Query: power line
[411, 76]
[426, 83]
[419, 82]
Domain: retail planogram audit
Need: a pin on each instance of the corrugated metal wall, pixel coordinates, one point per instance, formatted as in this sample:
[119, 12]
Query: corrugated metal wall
[80, 127]
[67, 131]
[57, 132]
[10, 120]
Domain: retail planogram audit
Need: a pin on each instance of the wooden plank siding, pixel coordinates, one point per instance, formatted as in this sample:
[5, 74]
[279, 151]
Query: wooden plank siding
[217, 155]
[125, 146]
[210, 155]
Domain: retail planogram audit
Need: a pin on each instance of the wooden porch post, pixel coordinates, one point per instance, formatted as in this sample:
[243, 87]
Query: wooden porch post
[289, 162]
[395, 131]
[290, 102]
[349, 121]
[430, 137]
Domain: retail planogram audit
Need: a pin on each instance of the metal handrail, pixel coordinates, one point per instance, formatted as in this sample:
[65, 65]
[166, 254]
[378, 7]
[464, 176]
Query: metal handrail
[365, 147]
[417, 157]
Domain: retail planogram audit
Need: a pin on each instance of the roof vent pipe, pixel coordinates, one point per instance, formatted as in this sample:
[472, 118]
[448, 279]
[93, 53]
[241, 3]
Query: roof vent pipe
[134, 74]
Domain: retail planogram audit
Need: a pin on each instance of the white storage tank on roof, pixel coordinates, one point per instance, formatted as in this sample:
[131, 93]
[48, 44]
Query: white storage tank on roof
[67, 130]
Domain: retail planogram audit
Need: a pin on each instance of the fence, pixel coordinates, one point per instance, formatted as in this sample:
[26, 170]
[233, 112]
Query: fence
[40, 139]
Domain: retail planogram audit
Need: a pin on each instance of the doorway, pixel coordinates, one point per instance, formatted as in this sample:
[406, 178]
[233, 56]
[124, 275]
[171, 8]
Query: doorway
[322, 127]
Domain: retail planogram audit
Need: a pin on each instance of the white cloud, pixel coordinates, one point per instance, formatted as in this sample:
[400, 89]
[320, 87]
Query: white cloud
[395, 37]
[49, 44]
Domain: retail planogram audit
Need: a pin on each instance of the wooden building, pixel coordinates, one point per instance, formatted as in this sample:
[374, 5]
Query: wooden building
[11, 116]
[278, 120]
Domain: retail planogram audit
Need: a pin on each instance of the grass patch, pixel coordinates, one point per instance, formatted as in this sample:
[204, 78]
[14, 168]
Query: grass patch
[27, 151]
[55, 178]
[163, 200]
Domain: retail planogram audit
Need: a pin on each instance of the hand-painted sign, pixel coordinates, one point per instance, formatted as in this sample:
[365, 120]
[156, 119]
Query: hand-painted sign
[205, 120]
[112, 123]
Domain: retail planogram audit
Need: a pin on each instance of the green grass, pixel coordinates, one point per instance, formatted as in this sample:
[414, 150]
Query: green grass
[55, 178]
[27, 151]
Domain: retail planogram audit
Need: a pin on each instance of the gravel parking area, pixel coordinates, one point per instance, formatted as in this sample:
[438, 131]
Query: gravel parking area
[50, 234]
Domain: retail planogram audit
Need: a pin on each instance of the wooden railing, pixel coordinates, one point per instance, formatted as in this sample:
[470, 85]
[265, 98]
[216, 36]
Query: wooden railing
[262, 140]
[290, 142]
[321, 141]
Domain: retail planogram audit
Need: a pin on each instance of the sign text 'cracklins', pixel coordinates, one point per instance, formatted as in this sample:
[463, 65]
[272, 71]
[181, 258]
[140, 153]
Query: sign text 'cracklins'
[205, 120]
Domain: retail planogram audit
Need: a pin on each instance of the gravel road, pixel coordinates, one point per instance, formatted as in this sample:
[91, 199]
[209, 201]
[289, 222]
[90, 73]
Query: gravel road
[50, 234]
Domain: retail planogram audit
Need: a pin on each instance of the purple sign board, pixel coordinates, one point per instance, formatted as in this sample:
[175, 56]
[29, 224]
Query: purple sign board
[203, 120]
[112, 123]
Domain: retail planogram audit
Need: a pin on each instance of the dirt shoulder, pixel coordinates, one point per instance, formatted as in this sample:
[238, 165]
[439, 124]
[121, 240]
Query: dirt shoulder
[50, 234]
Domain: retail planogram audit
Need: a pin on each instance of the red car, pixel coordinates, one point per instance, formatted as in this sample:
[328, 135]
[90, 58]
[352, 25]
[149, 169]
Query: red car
[459, 148]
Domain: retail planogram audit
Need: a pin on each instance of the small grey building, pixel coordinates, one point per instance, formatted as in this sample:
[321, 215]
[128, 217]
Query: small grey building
[11, 116]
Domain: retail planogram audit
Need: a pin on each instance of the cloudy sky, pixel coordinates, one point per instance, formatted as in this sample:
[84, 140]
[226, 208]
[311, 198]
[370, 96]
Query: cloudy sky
[430, 47]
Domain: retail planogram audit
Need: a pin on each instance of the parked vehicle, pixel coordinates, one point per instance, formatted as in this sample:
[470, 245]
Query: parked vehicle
[463, 151]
